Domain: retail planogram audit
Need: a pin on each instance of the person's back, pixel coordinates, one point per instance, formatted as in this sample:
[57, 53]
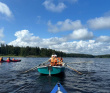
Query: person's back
[53, 59]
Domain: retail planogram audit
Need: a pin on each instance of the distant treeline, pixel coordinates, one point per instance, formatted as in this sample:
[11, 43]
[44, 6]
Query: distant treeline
[103, 56]
[10, 50]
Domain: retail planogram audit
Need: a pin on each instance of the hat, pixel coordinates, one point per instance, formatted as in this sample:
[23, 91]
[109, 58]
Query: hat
[54, 55]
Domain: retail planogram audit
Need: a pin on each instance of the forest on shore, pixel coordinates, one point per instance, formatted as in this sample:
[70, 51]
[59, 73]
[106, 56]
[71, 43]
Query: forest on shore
[10, 50]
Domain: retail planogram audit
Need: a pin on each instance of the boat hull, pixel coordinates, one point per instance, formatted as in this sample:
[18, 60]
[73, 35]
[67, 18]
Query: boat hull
[53, 70]
[17, 60]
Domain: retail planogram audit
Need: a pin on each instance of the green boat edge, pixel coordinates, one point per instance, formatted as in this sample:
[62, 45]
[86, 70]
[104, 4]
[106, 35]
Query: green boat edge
[54, 69]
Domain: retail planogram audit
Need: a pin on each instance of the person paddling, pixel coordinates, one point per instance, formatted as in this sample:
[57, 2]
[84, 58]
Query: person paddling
[53, 60]
[8, 59]
[1, 59]
[13, 59]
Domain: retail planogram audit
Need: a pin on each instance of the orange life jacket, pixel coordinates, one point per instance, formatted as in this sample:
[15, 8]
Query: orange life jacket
[53, 61]
[60, 60]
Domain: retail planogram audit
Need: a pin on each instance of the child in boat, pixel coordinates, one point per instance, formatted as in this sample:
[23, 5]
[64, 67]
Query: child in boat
[60, 60]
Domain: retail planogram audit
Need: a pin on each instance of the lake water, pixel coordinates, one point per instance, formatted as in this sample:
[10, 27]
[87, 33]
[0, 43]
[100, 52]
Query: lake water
[95, 78]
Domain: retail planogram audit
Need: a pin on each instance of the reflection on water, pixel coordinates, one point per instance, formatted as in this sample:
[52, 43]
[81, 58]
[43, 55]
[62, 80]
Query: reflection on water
[95, 78]
[48, 82]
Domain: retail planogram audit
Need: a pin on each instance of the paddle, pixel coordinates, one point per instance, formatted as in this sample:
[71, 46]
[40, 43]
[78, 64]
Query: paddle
[34, 68]
[80, 62]
[74, 70]
[30, 69]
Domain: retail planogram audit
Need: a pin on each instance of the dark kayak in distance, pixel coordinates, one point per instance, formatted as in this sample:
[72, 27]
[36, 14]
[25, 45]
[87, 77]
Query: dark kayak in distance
[16, 60]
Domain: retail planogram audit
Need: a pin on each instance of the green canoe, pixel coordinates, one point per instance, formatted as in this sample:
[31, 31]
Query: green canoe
[51, 69]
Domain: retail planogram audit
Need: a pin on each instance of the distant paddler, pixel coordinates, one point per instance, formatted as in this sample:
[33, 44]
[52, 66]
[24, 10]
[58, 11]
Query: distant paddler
[1, 59]
[13, 59]
[8, 59]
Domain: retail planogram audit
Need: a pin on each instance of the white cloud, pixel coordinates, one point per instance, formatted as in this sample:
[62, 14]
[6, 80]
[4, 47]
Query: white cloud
[103, 39]
[71, 1]
[100, 23]
[107, 13]
[64, 25]
[85, 47]
[25, 38]
[38, 19]
[49, 5]
[81, 34]
[1, 35]
[4, 9]
[74, 1]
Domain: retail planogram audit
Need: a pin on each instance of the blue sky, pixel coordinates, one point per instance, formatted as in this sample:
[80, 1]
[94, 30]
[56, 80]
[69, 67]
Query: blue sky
[71, 26]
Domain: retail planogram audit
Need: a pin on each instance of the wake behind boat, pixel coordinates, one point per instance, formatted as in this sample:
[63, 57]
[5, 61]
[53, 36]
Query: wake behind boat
[56, 66]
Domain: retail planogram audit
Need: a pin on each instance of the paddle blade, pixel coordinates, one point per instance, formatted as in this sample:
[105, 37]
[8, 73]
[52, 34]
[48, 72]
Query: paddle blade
[80, 62]
[74, 70]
